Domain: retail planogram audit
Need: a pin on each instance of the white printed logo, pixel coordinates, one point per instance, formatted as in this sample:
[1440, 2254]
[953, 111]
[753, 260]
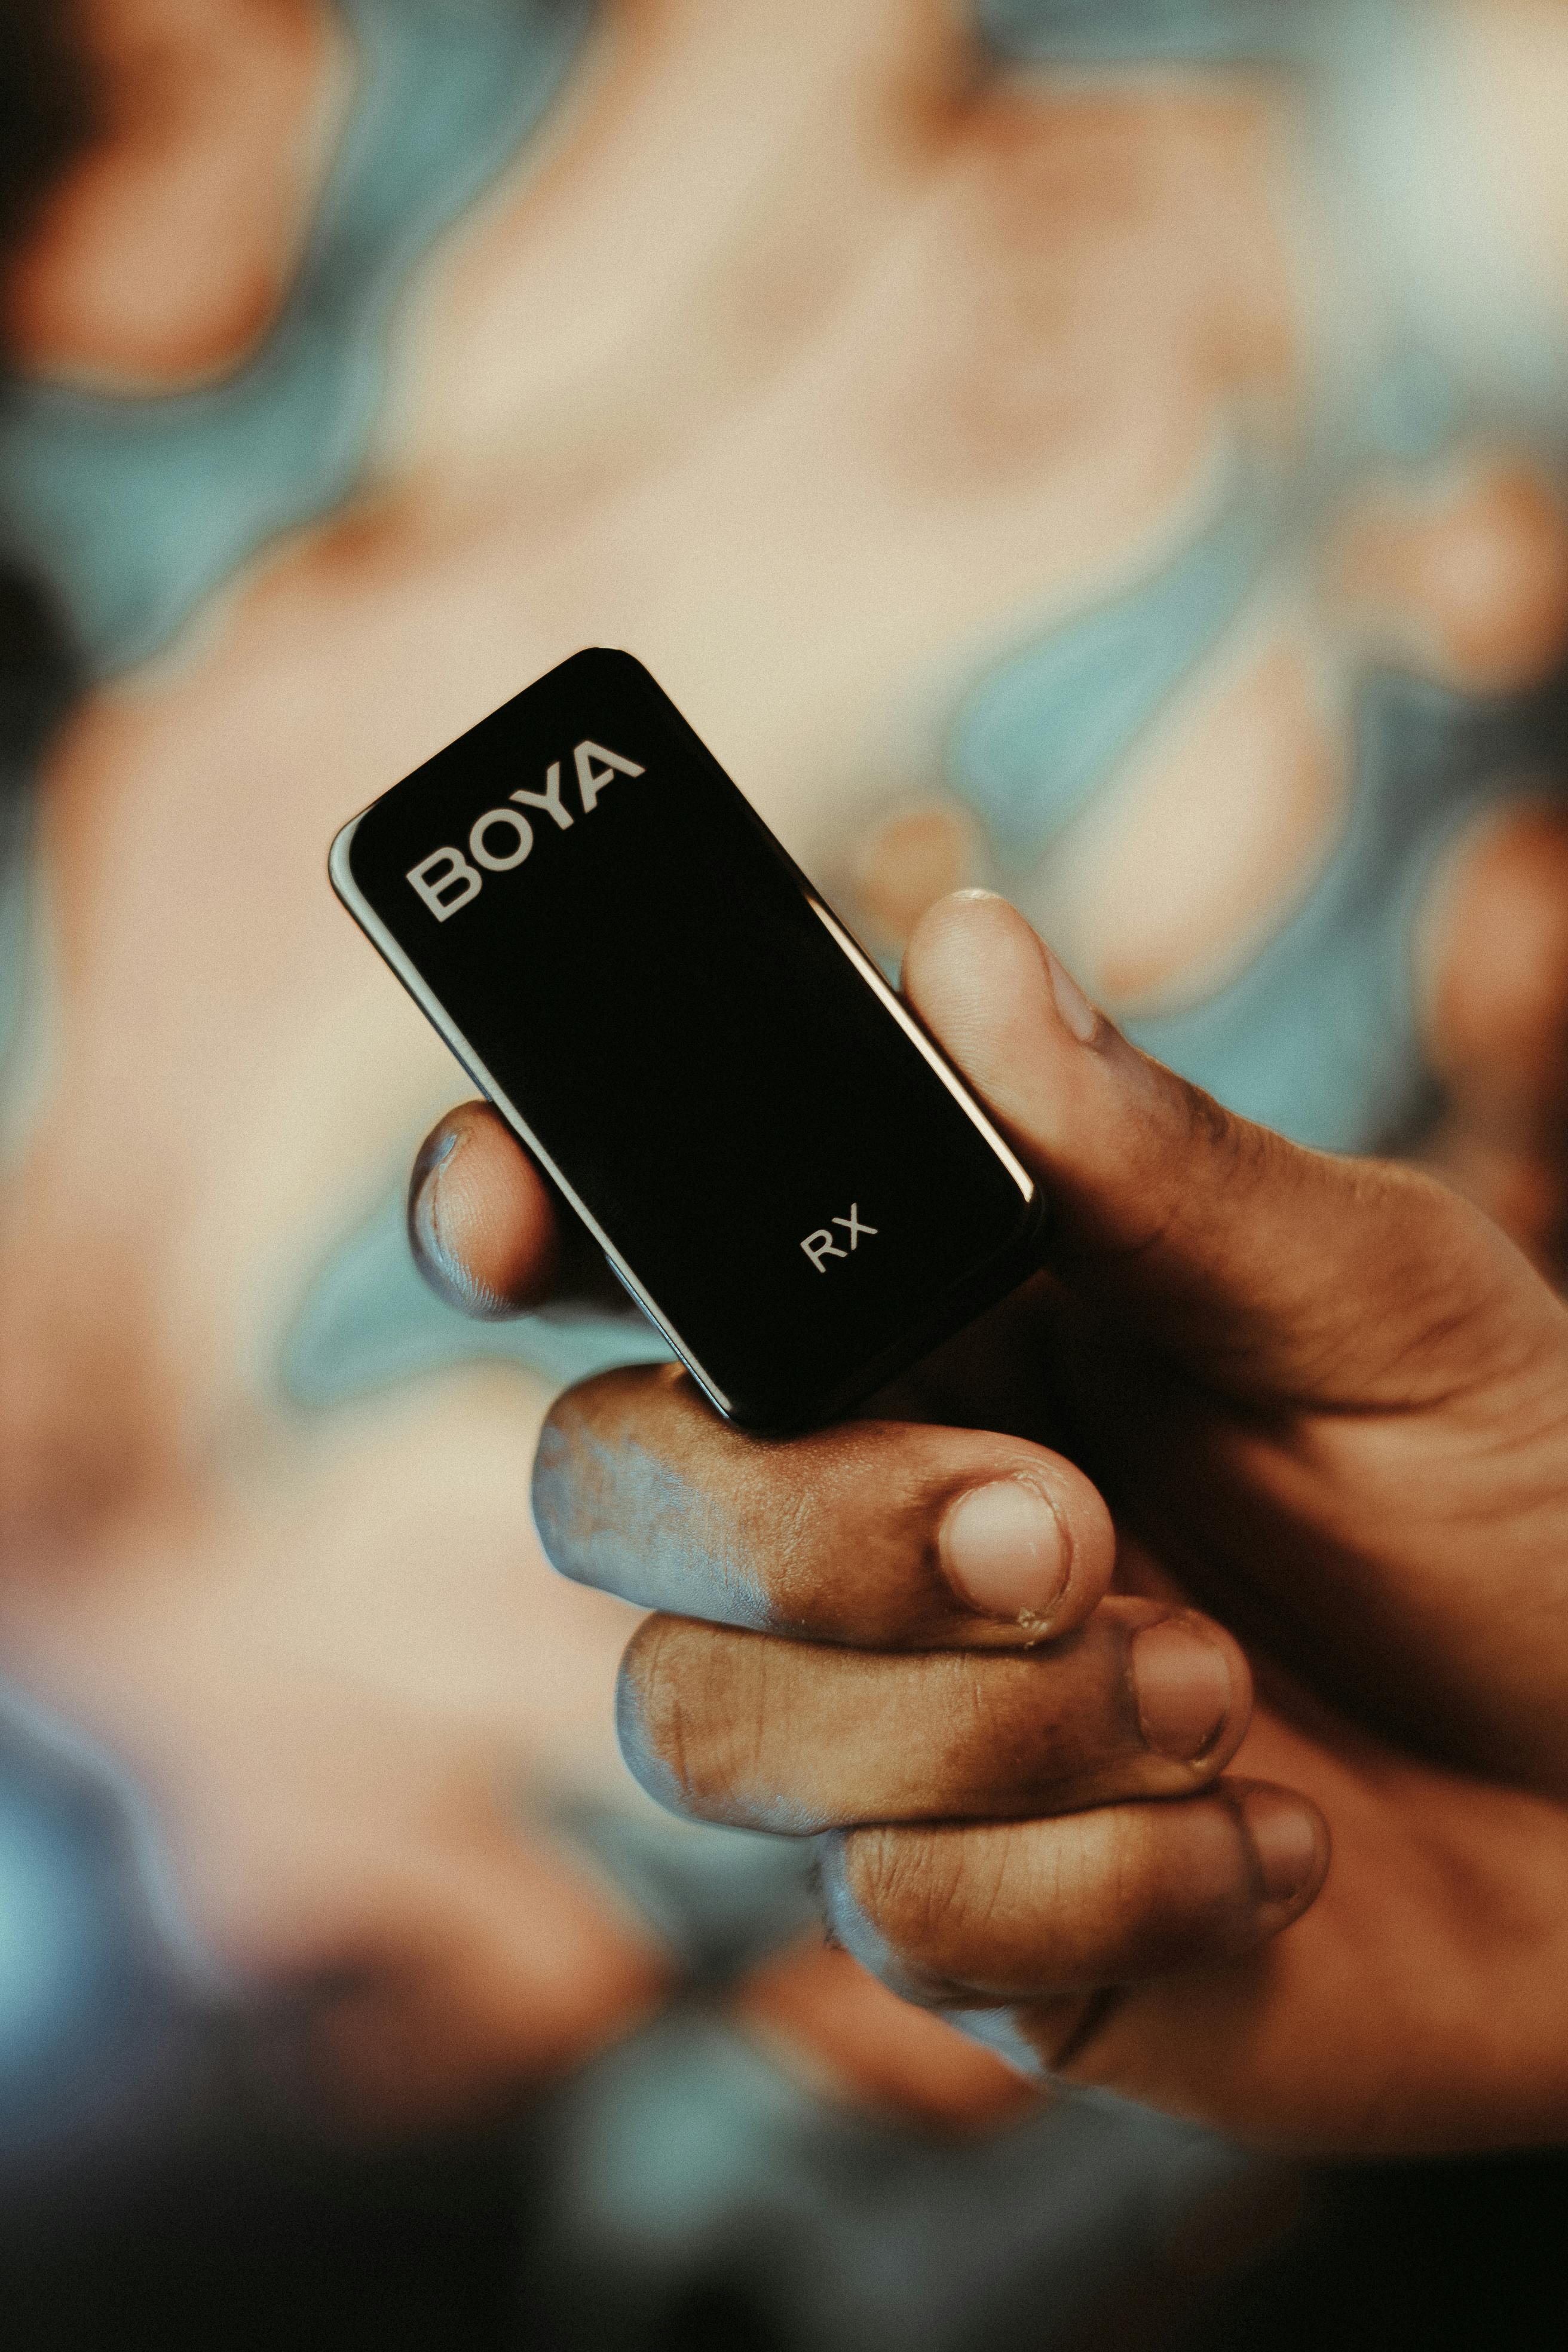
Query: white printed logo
[502, 839]
[821, 1243]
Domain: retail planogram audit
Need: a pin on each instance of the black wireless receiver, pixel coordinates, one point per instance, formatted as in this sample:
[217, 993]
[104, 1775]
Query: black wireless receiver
[777, 1161]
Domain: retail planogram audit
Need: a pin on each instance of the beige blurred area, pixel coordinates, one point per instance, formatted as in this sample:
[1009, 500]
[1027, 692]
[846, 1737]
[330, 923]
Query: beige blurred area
[819, 353]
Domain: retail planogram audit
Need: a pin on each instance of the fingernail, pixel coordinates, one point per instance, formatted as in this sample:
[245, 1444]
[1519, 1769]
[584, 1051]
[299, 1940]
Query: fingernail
[444, 1272]
[1182, 1682]
[1005, 1551]
[423, 1195]
[1077, 1013]
[1286, 1841]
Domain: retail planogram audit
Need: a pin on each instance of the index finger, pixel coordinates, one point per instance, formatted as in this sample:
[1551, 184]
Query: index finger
[879, 1534]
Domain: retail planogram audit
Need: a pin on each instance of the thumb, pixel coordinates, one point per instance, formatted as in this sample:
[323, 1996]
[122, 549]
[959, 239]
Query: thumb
[1275, 1275]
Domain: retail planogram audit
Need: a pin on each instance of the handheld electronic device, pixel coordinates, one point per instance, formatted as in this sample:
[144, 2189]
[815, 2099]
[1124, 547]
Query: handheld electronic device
[778, 1162]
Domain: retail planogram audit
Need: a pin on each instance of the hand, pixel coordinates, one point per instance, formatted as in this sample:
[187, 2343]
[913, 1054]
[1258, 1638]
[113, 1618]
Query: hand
[1327, 1403]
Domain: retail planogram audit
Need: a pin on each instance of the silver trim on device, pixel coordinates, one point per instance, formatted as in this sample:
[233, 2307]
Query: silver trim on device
[918, 1038]
[364, 913]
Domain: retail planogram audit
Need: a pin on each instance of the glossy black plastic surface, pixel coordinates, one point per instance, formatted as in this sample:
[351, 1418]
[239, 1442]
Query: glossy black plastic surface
[797, 1187]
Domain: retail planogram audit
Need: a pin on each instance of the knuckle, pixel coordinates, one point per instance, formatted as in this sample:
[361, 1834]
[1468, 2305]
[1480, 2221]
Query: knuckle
[1039, 1732]
[905, 1885]
[1177, 1887]
[1023, 1735]
[1044, 1909]
[626, 1499]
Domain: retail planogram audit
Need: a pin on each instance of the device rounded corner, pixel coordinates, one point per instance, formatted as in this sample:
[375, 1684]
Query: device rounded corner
[340, 860]
[619, 658]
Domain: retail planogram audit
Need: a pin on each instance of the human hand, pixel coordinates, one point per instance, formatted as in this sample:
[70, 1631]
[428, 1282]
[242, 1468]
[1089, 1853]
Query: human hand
[1326, 1401]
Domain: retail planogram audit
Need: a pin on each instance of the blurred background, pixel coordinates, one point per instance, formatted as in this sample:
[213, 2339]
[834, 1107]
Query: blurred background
[1113, 450]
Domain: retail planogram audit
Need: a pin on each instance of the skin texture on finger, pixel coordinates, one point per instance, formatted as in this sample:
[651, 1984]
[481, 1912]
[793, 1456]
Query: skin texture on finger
[797, 1737]
[1281, 1276]
[640, 1489]
[1368, 1555]
[490, 1234]
[1309, 1384]
[482, 1223]
[959, 1915]
[1414, 2008]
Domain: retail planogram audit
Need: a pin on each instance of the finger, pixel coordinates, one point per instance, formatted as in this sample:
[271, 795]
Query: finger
[1034, 1910]
[488, 1232]
[1277, 1274]
[482, 1222]
[876, 1533]
[795, 1737]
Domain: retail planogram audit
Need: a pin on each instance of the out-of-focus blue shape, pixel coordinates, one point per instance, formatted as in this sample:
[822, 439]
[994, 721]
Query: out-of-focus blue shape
[1412, 409]
[1145, 31]
[369, 1319]
[1044, 727]
[135, 509]
[102, 1990]
[719, 1899]
[1319, 1035]
[684, 2159]
[53, 1945]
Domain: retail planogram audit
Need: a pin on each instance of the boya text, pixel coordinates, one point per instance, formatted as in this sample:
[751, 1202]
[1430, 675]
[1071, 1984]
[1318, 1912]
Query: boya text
[447, 880]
